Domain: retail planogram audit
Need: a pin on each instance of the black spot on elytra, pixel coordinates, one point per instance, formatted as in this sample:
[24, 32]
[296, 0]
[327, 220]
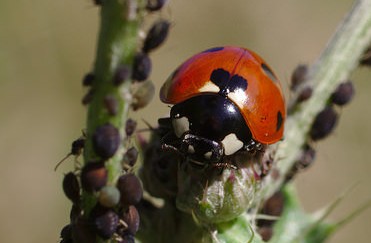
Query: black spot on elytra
[237, 82]
[268, 72]
[220, 77]
[279, 121]
[226, 83]
[214, 49]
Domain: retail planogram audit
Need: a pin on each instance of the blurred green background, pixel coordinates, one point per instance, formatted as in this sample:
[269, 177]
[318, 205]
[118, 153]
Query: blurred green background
[47, 46]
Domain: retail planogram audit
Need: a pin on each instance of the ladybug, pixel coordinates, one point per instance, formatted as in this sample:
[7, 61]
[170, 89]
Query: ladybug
[225, 100]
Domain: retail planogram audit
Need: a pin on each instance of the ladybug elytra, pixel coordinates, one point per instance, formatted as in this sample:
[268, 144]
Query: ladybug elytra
[225, 100]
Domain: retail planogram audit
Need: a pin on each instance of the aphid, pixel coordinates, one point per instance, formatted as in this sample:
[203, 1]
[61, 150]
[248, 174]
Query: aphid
[109, 196]
[156, 35]
[82, 231]
[343, 94]
[130, 189]
[131, 156]
[266, 232]
[105, 221]
[88, 79]
[324, 123]
[142, 67]
[66, 232]
[106, 140]
[88, 97]
[111, 104]
[122, 73]
[298, 76]
[93, 176]
[306, 158]
[76, 149]
[305, 94]
[130, 127]
[71, 187]
[131, 218]
[143, 95]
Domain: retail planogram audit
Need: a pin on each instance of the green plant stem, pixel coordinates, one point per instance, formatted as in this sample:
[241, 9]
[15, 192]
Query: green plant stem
[334, 66]
[117, 44]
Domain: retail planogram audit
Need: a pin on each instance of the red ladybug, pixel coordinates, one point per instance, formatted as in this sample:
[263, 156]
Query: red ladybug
[225, 100]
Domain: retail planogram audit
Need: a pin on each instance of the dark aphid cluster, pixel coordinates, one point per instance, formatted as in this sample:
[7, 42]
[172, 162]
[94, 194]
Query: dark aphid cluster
[274, 206]
[114, 214]
[325, 121]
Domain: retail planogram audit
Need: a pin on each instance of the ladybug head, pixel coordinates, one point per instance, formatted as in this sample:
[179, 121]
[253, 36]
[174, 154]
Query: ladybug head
[207, 127]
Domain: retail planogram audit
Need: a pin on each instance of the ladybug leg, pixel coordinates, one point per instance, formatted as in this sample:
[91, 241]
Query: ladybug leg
[169, 141]
[200, 150]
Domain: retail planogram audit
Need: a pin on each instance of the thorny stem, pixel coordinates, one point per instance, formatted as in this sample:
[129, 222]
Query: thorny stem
[117, 44]
[335, 65]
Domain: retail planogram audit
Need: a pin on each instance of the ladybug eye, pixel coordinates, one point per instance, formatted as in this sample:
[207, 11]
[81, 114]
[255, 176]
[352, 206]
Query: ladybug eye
[268, 72]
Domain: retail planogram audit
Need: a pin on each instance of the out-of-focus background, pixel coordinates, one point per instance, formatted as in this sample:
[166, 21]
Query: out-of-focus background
[47, 46]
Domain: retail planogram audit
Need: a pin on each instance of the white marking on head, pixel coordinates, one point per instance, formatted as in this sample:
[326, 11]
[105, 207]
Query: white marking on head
[209, 87]
[207, 155]
[180, 125]
[238, 96]
[231, 144]
[191, 149]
